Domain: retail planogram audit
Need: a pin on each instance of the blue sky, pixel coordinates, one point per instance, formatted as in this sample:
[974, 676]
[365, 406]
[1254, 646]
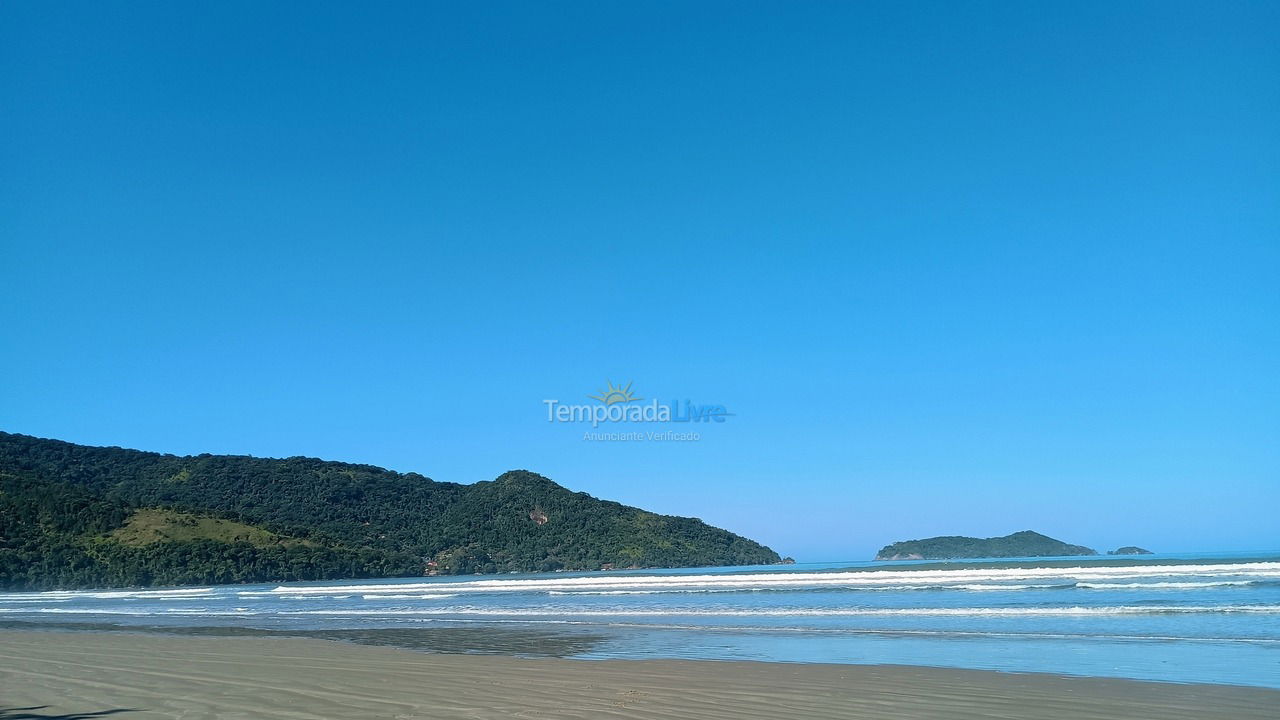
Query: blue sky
[961, 268]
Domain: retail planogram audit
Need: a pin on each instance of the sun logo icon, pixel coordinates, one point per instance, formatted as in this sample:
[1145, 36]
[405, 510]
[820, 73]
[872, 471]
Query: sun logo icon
[612, 394]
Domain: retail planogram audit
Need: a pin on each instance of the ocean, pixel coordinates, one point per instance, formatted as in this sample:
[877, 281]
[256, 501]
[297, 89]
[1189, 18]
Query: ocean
[1177, 618]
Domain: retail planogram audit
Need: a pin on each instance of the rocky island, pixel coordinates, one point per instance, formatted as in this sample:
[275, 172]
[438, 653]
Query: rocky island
[1020, 544]
[1130, 550]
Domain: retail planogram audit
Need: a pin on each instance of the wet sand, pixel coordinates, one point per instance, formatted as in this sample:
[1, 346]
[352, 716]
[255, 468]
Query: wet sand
[70, 675]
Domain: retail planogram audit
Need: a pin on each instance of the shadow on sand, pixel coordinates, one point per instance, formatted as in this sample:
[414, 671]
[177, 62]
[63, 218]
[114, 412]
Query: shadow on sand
[32, 713]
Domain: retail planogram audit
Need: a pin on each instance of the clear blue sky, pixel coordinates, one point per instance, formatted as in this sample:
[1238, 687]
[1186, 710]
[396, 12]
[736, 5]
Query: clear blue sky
[955, 267]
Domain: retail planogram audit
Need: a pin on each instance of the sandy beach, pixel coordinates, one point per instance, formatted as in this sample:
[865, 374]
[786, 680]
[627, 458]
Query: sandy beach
[79, 675]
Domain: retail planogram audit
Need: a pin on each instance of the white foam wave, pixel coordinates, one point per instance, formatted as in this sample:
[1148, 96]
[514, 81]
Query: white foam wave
[640, 592]
[138, 613]
[882, 588]
[788, 580]
[56, 595]
[1161, 585]
[425, 596]
[811, 612]
[987, 587]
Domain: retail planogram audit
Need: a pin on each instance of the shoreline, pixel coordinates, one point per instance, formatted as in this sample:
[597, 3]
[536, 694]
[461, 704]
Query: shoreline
[152, 676]
[515, 643]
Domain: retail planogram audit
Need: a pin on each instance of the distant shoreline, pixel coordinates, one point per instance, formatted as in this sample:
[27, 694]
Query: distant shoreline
[147, 677]
[1048, 562]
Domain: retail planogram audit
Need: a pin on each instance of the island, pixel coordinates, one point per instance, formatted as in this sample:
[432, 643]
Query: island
[1026, 543]
[1130, 550]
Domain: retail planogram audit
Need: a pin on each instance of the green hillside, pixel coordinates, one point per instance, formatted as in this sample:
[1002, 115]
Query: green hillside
[77, 516]
[1019, 544]
[153, 525]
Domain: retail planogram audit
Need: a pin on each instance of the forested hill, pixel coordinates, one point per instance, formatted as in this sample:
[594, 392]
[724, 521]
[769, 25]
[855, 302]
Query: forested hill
[78, 516]
[1019, 544]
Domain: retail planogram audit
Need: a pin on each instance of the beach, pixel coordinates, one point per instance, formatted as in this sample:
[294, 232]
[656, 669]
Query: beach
[144, 676]
[1210, 620]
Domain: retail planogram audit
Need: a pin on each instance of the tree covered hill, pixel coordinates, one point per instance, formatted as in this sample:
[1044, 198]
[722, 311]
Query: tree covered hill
[78, 516]
[948, 547]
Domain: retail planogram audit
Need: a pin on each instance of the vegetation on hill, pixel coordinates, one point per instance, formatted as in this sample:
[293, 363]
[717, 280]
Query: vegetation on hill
[78, 516]
[1019, 544]
[152, 525]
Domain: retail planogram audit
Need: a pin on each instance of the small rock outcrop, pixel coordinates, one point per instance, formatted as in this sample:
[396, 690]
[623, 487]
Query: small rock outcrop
[1130, 550]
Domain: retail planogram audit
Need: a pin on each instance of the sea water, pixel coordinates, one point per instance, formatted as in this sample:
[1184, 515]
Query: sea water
[1180, 618]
